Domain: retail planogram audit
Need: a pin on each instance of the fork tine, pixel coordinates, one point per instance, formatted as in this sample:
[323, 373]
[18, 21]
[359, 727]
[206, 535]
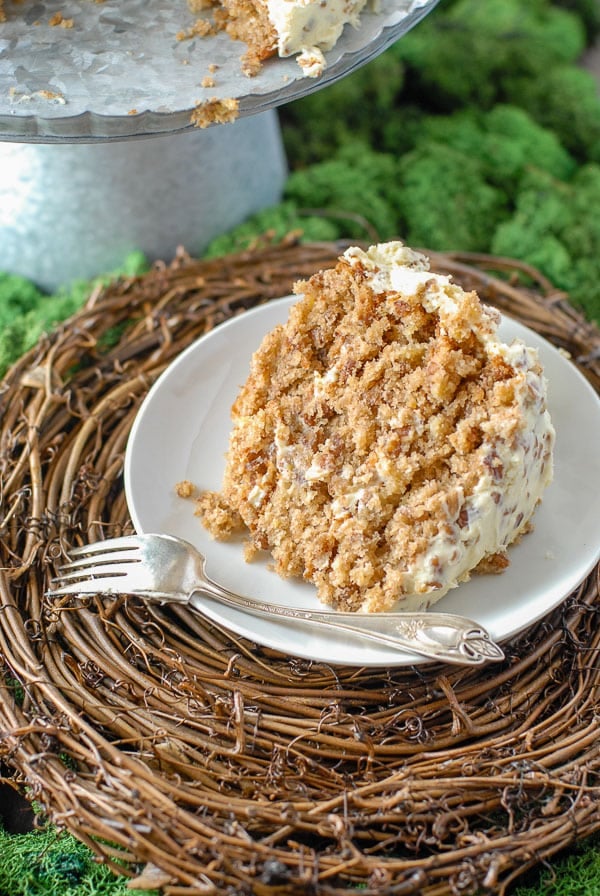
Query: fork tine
[97, 561]
[99, 566]
[90, 586]
[125, 542]
[94, 574]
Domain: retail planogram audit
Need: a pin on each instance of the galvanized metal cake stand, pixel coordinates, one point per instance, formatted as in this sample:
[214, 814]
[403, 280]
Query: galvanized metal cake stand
[98, 155]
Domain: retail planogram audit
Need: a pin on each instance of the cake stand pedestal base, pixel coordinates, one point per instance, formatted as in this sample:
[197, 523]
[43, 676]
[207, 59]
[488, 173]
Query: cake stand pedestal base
[70, 211]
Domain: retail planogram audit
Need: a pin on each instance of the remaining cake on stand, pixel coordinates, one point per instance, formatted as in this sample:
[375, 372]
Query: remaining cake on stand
[386, 443]
[302, 28]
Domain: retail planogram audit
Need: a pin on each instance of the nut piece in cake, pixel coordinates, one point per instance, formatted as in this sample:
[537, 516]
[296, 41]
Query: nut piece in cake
[386, 443]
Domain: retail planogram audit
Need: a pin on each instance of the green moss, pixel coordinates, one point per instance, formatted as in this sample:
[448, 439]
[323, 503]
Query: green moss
[465, 53]
[552, 228]
[566, 101]
[446, 200]
[588, 12]
[276, 222]
[26, 313]
[46, 862]
[489, 181]
[17, 295]
[357, 185]
[577, 874]
[14, 687]
[506, 141]
[354, 108]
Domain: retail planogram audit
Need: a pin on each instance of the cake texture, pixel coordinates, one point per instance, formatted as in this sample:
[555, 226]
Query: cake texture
[386, 443]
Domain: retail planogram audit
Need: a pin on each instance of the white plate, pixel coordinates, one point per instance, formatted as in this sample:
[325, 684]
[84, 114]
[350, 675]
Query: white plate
[182, 431]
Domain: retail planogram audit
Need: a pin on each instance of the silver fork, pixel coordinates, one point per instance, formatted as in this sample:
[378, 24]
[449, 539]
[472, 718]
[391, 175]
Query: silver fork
[166, 569]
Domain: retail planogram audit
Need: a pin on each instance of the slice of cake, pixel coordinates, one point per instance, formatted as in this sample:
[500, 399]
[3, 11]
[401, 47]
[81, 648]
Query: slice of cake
[386, 443]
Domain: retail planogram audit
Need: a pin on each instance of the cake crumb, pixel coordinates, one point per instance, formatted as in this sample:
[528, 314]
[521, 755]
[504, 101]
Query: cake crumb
[493, 564]
[185, 489]
[207, 81]
[51, 96]
[59, 19]
[196, 6]
[200, 28]
[251, 552]
[214, 111]
[251, 65]
[217, 516]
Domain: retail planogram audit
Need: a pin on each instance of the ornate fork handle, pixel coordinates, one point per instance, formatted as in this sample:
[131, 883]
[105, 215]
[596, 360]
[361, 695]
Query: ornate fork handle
[439, 636]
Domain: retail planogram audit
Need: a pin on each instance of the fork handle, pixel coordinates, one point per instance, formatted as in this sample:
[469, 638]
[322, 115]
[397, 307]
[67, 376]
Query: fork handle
[440, 636]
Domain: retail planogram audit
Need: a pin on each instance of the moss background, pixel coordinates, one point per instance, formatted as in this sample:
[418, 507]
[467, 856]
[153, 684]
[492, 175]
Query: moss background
[478, 131]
